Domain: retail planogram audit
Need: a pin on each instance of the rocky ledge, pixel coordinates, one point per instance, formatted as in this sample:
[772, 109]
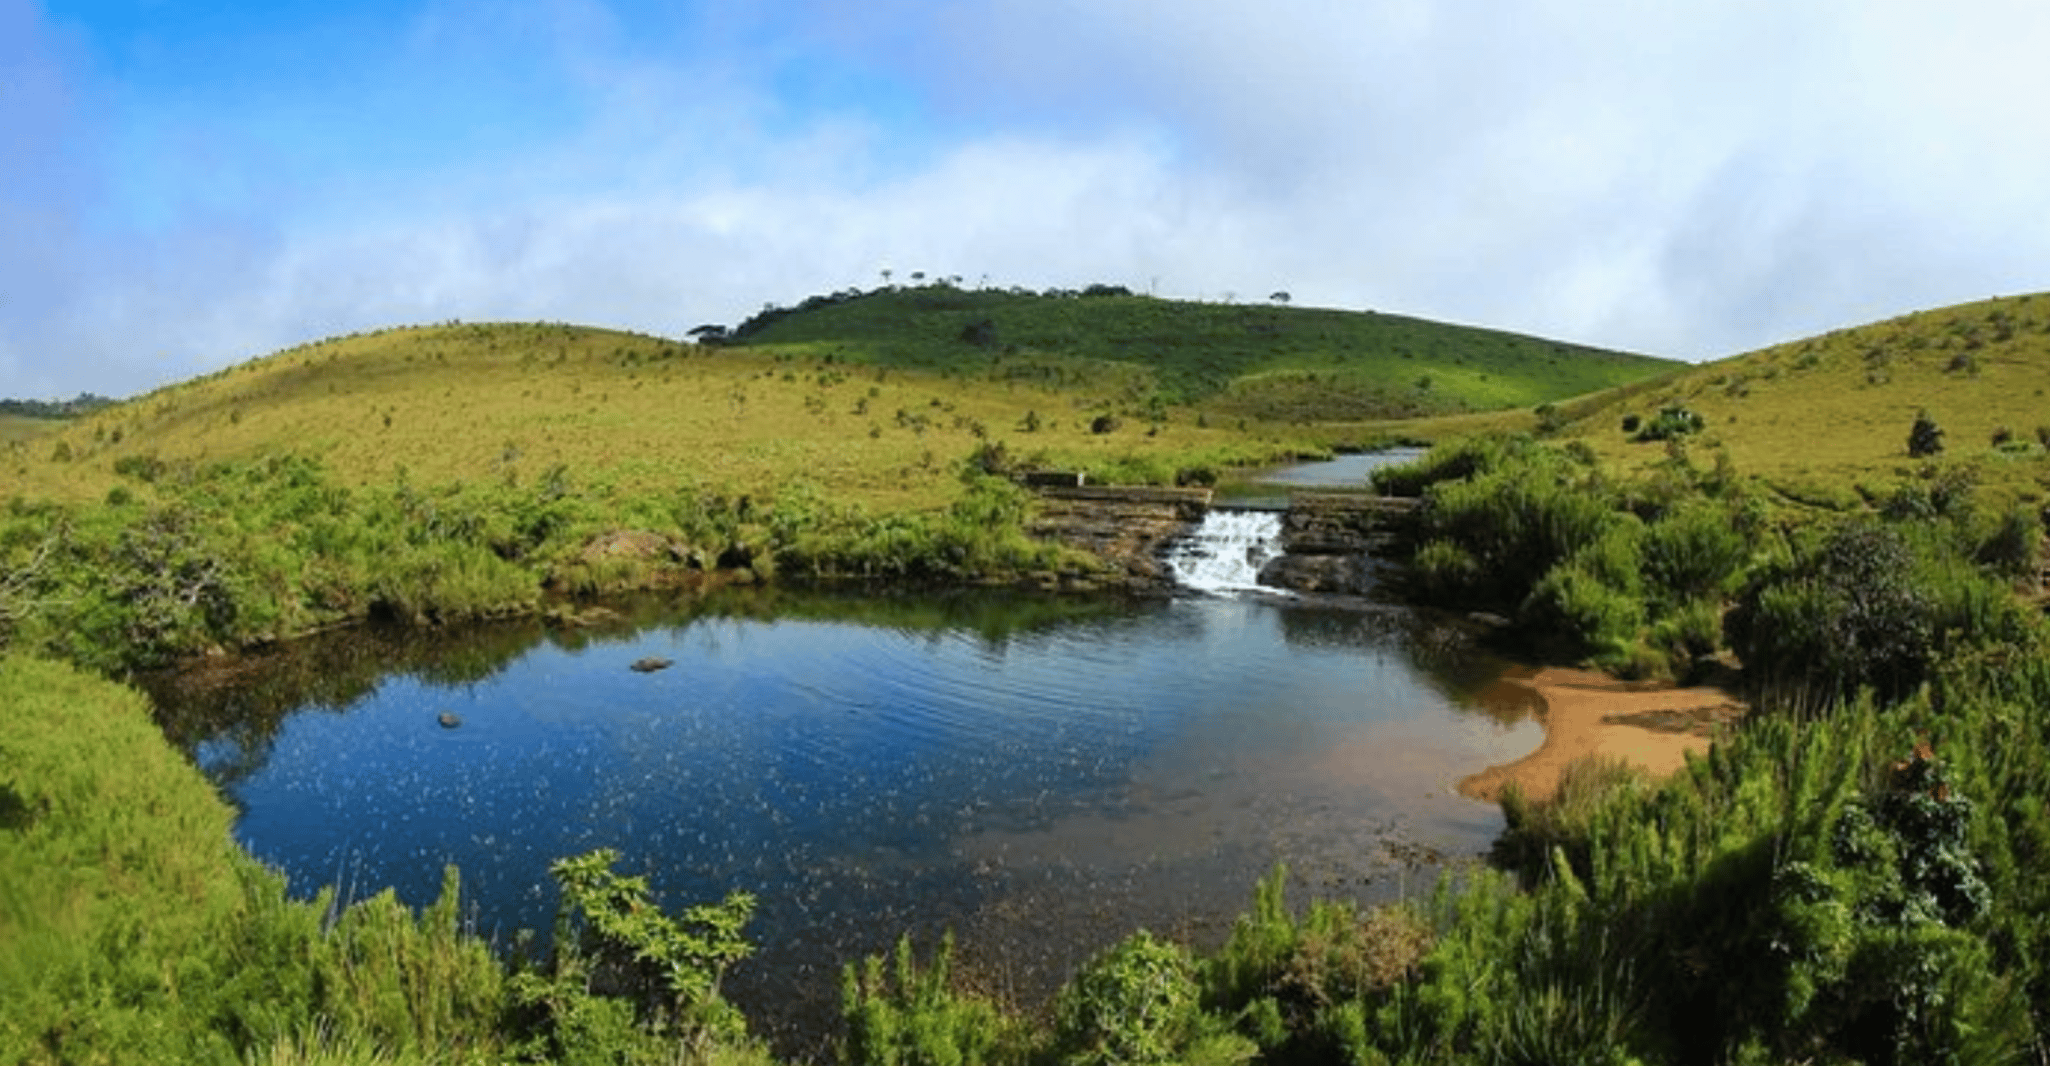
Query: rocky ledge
[1128, 527]
[1332, 542]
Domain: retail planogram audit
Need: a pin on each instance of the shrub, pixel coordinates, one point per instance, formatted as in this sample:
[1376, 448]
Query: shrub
[1669, 423]
[911, 1017]
[1850, 611]
[1578, 610]
[1925, 438]
[1692, 552]
[1516, 522]
[2014, 549]
[1452, 461]
[1134, 1005]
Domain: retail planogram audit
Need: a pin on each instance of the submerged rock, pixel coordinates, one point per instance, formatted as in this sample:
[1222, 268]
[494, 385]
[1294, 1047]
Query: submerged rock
[651, 664]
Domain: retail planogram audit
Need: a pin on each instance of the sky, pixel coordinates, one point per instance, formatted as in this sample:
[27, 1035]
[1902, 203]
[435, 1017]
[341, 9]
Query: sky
[187, 184]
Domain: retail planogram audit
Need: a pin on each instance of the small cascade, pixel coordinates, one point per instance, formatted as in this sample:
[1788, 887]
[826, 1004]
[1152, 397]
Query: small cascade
[1226, 552]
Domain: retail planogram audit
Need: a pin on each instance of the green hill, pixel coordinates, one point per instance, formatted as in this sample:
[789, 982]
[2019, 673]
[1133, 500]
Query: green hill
[1825, 420]
[874, 397]
[1268, 361]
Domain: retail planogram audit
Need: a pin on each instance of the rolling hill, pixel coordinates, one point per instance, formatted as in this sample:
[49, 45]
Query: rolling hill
[876, 397]
[1825, 420]
[1265, 361]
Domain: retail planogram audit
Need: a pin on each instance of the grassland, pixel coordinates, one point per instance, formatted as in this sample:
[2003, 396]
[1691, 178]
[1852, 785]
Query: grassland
[874, 399]
[1260, 361]
[15, 428]
[1825, 420]
[497, 402]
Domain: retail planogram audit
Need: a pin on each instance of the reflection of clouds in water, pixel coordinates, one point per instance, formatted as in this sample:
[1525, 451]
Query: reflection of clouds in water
[864, 780]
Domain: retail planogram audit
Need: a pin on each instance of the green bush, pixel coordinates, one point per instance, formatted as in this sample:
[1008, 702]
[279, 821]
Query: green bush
[1925, 438]
[1670, 423]
[914, 1017]
[1516, 522]
[1454, 460]
[1134, 1005]
[1850, 611]
[1692, 553]
[1582, 614]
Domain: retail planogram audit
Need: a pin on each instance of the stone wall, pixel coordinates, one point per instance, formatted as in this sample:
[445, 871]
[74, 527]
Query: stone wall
[1129, 527]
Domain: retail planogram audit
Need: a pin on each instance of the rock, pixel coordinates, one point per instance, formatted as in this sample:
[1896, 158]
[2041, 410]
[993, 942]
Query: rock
[651, 664]
[1339, 575]
[449, 720]
[1127, 527]
[632, 544]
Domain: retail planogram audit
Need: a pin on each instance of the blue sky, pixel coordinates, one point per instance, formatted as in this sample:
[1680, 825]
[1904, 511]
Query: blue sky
[185, 185]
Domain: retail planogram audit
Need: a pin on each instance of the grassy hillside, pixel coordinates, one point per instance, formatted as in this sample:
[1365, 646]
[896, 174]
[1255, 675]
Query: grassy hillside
[1267, 361]
[21, 428]
[875, 398]
[515, 402]
[1826, 418]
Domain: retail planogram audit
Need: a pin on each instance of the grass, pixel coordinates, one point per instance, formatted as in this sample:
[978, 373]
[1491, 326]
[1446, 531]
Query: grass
[436, 405]
[873, 399]
[1257, 361]
[21, 428]
[1824, 421]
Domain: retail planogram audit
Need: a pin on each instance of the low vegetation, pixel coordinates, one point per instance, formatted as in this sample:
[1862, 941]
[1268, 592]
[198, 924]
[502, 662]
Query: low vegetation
[1853, 875]
[1262, 362]
[1837, 421]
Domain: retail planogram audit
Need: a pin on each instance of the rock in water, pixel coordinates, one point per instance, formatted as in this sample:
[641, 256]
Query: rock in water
[651, 664]
[448, 720]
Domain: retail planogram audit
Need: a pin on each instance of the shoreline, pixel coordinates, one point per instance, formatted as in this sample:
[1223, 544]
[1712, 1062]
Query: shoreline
[1586, 713]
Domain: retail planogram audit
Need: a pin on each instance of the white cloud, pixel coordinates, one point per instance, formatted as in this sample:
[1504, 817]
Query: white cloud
[1690, 178]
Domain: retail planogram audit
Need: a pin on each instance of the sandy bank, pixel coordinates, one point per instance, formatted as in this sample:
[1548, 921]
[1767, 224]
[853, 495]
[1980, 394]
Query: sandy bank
[1586, 713]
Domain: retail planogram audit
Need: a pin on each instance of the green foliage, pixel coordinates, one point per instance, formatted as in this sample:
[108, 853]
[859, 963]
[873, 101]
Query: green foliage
[137, 932]
[1925, 438]
[1517, 521]
[1138, 1005]
[1850, 610]
[1454, 460]
[1269, 361]
[1693, 552]
[615, 942]
[1670, 423]
[2013, 549]
[914, 1017]
[1580, 610]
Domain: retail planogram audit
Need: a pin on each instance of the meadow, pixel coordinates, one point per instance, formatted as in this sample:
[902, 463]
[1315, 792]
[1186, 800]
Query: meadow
[1823, 422]
[18, 428]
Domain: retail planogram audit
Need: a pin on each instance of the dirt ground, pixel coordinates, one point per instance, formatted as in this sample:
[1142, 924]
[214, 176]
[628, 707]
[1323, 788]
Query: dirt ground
[1586, 713]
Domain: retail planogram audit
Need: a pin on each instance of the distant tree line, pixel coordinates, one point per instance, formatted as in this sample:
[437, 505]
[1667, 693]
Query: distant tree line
[84, 403]
[772, 313]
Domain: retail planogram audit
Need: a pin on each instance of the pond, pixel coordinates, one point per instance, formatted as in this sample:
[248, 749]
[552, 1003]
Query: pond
[1041, 775]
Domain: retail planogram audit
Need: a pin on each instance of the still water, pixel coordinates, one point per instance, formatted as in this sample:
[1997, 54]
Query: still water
[1040, 775]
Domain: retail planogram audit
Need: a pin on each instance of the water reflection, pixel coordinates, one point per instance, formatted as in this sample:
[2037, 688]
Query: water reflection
[1040, 773]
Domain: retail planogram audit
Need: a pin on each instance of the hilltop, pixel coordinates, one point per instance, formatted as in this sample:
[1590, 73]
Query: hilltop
[876, 396]
[1260, 361]
[1825, 420]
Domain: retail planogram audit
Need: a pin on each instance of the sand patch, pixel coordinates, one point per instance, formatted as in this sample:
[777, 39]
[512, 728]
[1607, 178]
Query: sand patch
[1586, 713]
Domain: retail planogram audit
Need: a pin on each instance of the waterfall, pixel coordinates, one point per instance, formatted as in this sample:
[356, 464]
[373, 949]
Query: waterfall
[1226, 552]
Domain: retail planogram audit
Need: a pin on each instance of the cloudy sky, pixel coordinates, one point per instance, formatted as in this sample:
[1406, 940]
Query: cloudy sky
[185, 184]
